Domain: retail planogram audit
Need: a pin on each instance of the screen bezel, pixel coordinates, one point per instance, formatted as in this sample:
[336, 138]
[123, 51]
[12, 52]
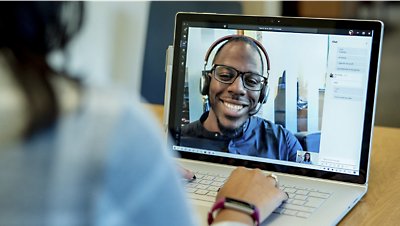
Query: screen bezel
[176, 97]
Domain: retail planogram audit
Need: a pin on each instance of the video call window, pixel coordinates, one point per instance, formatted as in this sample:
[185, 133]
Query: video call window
[314, 81]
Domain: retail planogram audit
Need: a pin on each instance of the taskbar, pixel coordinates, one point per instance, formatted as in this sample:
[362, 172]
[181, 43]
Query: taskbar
[265, 160]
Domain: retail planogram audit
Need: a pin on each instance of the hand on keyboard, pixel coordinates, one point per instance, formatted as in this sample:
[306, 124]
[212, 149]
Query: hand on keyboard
[252, 186]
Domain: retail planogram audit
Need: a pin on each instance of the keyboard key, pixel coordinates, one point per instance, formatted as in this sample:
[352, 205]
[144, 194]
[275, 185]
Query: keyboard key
[303, 214]
[291, 195]
[299, 188]
[314, 202]
[302, 192]
[201, 192]
[290, 212]
[219, 179]
[289, 201]
[296, 207]
[202, 197]
[213, 188]
[213, 174]
[319, 194]
[218, 184]
[290, 190]
[202, 186]
[206, 182]
[209, 178]
[212, 193]
[300, 197]
[298, 202]
[199, 175]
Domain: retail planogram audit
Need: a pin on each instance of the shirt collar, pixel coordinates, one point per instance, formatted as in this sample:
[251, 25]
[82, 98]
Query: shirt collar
[235, 134]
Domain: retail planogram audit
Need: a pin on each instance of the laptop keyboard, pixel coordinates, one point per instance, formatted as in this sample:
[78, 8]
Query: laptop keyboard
[302, 201]
[205, 187]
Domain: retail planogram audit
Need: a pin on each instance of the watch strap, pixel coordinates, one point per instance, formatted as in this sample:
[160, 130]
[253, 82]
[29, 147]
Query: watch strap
[234, 204]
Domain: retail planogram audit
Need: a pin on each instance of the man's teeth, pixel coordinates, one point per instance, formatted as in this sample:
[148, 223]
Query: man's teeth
[233, 106]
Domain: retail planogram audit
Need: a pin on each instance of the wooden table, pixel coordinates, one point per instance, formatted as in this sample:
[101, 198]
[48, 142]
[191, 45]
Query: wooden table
[381, 204]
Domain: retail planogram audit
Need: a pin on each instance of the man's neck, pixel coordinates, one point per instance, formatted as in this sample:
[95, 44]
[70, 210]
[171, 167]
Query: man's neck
[211, 124]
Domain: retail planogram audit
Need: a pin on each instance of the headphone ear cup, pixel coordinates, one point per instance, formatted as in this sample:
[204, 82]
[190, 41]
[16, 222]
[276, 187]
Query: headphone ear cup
[204, 83]
[264, 95]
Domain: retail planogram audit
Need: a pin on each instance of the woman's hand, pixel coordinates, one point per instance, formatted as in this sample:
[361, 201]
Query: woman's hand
[252, 186]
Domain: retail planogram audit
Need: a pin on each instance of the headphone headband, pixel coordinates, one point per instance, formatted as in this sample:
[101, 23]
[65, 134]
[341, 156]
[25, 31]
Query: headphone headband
[205, 79]
[222, 39]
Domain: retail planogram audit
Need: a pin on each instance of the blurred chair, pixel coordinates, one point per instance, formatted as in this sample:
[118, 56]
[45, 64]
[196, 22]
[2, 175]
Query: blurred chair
[310, 141]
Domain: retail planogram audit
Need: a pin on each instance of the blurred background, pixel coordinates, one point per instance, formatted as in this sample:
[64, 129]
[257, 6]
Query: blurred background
[124, 43]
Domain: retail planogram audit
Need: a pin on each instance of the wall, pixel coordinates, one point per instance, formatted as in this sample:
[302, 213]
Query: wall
[387, 112]
[110, 47]
[113, 43]
[160, 35]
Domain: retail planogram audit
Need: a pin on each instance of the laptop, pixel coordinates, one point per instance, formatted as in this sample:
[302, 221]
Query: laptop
[323, 79]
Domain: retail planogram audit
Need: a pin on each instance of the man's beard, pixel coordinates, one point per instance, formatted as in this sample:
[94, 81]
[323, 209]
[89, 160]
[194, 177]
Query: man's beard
[231, 133]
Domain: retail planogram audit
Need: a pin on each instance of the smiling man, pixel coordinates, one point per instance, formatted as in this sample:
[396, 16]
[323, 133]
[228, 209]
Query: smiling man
[236, 90]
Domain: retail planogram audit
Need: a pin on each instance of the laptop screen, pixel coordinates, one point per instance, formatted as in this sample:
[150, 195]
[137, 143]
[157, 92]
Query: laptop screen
[301, 101]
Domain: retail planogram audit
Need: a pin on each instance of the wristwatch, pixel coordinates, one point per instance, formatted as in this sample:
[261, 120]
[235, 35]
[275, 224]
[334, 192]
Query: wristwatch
[234, 204]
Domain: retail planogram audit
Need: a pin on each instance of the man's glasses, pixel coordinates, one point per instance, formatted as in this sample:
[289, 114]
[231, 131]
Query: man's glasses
[227, 75]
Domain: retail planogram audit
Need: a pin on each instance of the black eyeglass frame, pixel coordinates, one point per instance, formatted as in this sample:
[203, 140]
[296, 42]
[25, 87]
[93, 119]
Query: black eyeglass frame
[264, 82]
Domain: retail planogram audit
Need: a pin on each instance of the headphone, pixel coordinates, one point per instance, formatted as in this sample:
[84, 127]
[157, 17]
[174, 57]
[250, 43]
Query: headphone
[205, 80]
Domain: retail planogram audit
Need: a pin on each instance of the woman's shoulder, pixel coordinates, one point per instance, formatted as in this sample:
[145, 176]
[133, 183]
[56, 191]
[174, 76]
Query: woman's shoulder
[110, 102]
[118, 108]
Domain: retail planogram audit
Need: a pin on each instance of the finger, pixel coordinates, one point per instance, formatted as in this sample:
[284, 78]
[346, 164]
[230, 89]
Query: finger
[287, 196]
[283, 196]
[187, 174]
[273, 178]
[238, 170]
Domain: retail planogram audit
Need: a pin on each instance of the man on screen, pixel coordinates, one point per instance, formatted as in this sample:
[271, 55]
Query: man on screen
[236, 89]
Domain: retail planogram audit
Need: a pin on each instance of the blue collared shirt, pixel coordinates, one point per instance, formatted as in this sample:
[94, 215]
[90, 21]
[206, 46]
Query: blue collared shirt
[259, 137]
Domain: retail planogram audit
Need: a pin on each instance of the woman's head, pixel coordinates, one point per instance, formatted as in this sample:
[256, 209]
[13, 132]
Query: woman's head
[307, 157]
[29, 32]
